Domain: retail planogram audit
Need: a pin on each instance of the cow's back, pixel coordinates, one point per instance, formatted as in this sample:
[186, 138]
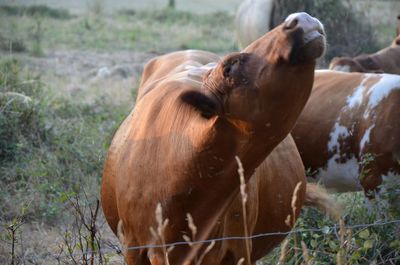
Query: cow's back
[171, 63]
[350, 119]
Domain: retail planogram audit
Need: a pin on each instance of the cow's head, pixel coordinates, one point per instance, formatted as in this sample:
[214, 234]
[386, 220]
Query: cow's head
[270, 74]
[362, 64]
[266, 85]
[299, 39]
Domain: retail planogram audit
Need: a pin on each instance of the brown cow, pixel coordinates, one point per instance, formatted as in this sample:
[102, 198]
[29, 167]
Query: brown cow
[349, 131]
[397, 39]
[386, 60]
[177, 148]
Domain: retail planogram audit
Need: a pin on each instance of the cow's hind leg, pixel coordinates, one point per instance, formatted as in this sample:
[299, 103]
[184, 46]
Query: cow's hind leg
[132, 257]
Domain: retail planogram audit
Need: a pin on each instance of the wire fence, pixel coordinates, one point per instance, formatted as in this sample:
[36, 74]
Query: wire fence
[325, 230]
[295, 231]
[334, 229]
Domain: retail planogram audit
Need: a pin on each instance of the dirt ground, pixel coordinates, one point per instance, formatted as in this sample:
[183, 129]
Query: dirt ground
[87, 74]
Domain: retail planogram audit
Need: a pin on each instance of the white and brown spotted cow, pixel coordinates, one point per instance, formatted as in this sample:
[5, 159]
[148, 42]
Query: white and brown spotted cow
[349, 131]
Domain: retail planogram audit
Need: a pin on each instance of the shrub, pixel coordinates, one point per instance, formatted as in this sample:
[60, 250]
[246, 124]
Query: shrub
[35, 10]
[11, 44]
[20, 117]
[370, 234]
[49, 146]
[348, 34]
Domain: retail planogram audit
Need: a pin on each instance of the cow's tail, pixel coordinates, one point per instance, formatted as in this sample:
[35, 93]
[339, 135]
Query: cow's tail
[318, 197]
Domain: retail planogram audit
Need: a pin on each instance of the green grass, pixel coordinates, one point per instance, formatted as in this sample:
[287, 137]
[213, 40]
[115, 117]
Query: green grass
[160, 31]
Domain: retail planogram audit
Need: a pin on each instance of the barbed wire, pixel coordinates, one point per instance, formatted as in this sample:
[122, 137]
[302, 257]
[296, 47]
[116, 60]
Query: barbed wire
[294, 231]
[325, 230]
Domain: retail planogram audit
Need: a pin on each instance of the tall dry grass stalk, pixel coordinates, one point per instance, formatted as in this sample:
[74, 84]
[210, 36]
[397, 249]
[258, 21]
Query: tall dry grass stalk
[205, 252]
[306, 256]
[161, 225]
[291, 218]
[193, 229]
[244, 202]
[284, 248]
[341, 254]
[241, 261]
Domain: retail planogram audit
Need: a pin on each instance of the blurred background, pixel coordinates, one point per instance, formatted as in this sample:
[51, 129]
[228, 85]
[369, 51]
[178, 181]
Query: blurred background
[69, 71]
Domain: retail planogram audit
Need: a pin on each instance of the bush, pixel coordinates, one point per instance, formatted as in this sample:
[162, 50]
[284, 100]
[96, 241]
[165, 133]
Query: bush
[49, 146]
[35, 10]
[348, 33]
[21, 119]
[370, 234]
[11, 44]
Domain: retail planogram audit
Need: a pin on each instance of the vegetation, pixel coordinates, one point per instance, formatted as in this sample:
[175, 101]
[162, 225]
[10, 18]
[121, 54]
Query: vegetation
[35, 10]
[52, 144]
[49, 146]
[128, 29]
[348, 33]
[355, 241]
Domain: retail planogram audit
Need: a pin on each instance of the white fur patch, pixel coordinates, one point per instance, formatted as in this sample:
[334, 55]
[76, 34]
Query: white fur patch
[365, 138]
[338, 131]
[342, 68]
[340, 177]
[356, 98]
[381, 90]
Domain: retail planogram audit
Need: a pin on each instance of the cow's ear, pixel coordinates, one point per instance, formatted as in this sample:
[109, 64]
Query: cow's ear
[201, 102]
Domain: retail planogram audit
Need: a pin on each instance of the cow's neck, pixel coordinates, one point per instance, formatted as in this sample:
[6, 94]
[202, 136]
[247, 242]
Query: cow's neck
[216, 162]
[262, 135]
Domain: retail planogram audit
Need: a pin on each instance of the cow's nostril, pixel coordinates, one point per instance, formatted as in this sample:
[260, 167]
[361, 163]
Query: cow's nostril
[291, 23]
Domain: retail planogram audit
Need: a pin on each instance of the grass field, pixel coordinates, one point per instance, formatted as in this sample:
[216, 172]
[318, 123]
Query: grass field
[67, 80]
[196, 6]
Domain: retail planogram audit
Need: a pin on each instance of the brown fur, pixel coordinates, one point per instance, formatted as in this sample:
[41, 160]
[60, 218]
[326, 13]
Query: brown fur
[317, 197]
[178, 148]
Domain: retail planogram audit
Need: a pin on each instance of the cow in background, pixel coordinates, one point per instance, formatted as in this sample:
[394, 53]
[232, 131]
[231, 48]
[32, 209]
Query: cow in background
[252, 20]
[349, 132]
